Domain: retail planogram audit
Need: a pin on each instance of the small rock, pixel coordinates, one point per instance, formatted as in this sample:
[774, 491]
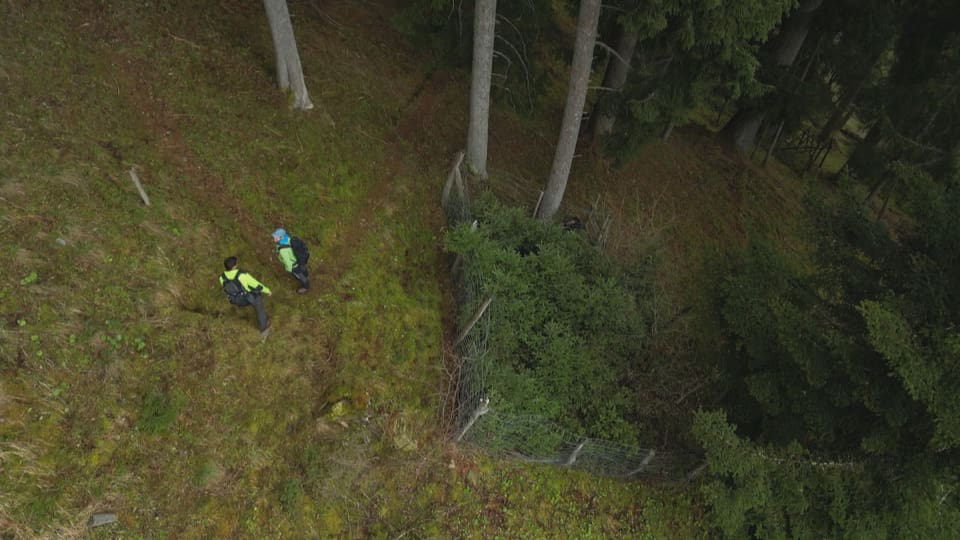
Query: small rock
[61, 241]
[104, 518]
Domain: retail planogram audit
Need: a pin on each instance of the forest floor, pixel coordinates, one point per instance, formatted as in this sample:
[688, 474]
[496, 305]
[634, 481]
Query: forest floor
[130, 386]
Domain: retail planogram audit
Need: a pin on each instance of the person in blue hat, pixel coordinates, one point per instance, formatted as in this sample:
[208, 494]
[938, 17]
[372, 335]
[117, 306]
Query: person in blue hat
[293, 255]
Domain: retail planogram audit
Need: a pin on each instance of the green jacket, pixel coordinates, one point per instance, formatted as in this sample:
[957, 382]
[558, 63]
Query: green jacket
[248, 282]
[287, 258]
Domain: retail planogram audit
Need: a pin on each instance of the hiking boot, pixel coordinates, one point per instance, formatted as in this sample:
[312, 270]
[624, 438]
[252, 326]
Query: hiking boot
[266, 329]
[301, 290]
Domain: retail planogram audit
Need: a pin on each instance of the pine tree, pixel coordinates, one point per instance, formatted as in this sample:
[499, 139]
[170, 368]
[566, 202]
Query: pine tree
[573, 110]
[289, 70]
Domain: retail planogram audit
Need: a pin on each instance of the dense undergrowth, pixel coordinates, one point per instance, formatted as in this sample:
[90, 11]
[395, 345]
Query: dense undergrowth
[566, 330]
[131, 386]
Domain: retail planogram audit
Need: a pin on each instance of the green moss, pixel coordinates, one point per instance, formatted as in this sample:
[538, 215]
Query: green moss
[159, 412]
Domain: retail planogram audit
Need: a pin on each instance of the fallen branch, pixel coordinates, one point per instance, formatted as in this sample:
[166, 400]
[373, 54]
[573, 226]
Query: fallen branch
[136, 182]
[187, 41]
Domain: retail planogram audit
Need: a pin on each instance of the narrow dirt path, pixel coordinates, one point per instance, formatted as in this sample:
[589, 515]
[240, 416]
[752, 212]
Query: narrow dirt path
[412, 130]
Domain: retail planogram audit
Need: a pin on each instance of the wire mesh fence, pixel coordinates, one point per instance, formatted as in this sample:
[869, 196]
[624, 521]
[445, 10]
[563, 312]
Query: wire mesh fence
[481, 420]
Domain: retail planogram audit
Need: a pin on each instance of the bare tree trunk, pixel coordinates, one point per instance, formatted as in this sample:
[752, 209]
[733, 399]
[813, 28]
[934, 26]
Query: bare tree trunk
[876, 189]
[773, 144]
[841, 115]
[613, 80]
[886, 201]
[803, 77]
[795, 31]
[669, 130]
[864, 157]
[723, 109]
[742, 129]
[484, 30]
[573, 110]
[825, 154]
[763, 135]
[289, 70]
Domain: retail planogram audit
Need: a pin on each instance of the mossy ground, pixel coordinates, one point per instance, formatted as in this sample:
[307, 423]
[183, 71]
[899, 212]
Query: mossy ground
[131, 386]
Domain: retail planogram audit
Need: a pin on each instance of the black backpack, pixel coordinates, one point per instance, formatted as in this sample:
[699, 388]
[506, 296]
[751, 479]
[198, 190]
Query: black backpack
[300, 251]
[234, 290]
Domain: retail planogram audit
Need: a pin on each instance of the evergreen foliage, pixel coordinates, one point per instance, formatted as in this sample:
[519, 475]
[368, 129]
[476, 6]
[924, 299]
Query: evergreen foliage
[767, 491]
[565, 330]
[525, 37]
[690, 52]
[850, 361]
[913, 113]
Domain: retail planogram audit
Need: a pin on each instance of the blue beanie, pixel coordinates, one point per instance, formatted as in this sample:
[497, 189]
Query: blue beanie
[283, 236]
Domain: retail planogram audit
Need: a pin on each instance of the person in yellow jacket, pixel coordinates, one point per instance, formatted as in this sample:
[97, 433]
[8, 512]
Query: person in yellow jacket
[293, 255]
[242, 289]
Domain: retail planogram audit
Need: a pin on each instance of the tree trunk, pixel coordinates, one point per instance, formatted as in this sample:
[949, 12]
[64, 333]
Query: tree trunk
[573, 110]
[803, 77]
[886, 201]
[841, 115]
[484, 28]
[773, 144]
[794, 32]
[613, 80]
[826, 153]
[741, 130]
[875, 189]
[865, 158]
[763, 135]
[669, 130]
[289, 70]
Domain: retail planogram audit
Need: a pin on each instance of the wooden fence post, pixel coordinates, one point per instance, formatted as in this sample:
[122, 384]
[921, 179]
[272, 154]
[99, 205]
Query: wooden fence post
[454, 173]
[572, 458]
[482, 409]
[643, 464]
[473, 321]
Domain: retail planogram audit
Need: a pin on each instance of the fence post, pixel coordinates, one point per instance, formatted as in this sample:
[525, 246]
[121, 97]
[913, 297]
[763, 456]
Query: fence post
[444, 198]
[473, 321]
[572, 458]
[696, 472]
[481, 410]
[643, 464]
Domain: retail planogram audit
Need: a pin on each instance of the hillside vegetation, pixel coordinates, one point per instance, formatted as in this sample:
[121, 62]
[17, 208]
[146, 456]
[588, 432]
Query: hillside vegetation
[129, 384]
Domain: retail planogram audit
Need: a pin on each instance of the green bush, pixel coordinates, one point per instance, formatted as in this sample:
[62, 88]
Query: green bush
[564, 329]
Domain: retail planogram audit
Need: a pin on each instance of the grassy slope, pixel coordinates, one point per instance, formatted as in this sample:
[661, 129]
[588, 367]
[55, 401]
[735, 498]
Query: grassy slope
[130, 385]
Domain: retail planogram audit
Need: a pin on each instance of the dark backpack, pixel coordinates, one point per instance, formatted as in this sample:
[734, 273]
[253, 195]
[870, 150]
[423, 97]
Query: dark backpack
[234, 290]
[300, 251]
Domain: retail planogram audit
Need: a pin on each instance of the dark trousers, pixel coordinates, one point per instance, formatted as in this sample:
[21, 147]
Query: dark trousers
[301, 275]
[254, 299]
